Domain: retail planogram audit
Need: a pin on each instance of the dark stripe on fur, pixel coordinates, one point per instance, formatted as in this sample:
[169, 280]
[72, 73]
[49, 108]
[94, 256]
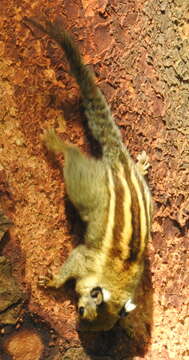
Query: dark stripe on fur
[119, 220]
[134, 243]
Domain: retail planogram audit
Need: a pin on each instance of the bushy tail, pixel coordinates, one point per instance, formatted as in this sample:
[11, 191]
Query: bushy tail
[97, 111]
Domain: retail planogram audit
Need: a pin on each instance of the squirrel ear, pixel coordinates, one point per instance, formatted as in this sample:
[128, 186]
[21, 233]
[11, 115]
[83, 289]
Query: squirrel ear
[129, 306]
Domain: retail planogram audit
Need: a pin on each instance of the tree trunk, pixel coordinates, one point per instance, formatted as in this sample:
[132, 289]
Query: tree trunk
[139, 52]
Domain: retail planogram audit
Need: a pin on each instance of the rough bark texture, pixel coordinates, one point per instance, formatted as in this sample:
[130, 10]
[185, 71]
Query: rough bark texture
[140, 53]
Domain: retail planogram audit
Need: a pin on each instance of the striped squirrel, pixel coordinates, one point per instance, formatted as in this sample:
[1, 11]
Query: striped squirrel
[111, 196]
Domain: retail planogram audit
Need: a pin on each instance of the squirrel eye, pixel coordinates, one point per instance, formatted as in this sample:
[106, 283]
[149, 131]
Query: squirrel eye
[81, 310]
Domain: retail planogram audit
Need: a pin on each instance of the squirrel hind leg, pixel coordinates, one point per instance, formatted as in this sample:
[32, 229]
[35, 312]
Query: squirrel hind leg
[143, 163]
[53, 142]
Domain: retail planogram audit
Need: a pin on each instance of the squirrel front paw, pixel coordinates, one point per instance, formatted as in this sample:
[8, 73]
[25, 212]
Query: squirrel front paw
[48, 280]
